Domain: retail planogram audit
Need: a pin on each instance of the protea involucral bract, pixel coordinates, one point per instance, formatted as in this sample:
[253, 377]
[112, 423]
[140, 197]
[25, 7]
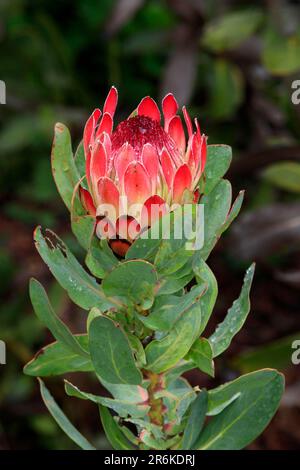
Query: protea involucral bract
[147, 314]
[141, 169]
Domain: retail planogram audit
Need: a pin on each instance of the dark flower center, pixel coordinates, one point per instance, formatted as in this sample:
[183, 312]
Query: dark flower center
[138, 131]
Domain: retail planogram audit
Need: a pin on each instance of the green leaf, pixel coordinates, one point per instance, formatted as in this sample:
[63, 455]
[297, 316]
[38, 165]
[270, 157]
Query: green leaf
[129, 435]
[83, 227]
[122, 407]
[280, 53]
[178, 396]
[100, 258]
[82, 224]
[62, 420]
[47, 316]
[171, 285]
[177, 241]
[164, 245]
[235, 318]
[164, 353]
[234, 211]
[142, 424]
[111, 354]
[276, 354]
[216, 208]
[204, 275]
[113, 431]
[79, 159]
[81, 287]
[218, 161]
[218, 403]
[133, 282]
[168, 309]
[158, 444]
[230, 30]
[179, 369]
[195, 420]
[63, 167]
[138, 349]
[284, 175]
[247, 416]
[133, 393]
[57, 359]
[226, 89]
[201, 354]
[94, 312]
[146, 247]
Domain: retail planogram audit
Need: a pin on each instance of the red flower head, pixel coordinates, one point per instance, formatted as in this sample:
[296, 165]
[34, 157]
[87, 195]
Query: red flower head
[139, 170]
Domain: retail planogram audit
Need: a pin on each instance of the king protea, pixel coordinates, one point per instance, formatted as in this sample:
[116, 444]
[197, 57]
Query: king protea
[141, 169]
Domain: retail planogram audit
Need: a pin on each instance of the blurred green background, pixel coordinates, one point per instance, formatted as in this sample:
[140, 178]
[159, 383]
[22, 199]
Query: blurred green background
[233, 63]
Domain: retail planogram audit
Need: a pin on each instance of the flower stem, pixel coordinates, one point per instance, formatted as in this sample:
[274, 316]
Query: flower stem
[156, 411]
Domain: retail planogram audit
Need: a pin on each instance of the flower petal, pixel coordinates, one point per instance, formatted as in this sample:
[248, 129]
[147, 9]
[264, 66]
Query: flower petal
[153, 208]
[176, 131]
[87, 201]
[111, 102]
[120, 247]
[105, 140]
[170, 108]
[150, 162]
[137, 184]
[89, 129]
[168, 167]
[105, 229]
[193, 153]
[106, 125]
[98, 162]
[188, 121]
[196, 196]
[127, 227]
[198, 128]
[109, 195]
[182, 181]
[148, 107]
[125, 156]
[203, 152]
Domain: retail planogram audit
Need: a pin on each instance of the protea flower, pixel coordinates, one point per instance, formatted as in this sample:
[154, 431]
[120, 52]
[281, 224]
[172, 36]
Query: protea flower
[139, 170]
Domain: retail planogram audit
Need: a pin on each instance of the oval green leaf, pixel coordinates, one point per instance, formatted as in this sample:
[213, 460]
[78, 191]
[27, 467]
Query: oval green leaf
[111, 353]
[247, 416]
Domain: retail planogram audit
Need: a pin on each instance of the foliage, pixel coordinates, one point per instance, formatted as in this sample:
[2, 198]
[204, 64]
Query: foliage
[137, 334]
